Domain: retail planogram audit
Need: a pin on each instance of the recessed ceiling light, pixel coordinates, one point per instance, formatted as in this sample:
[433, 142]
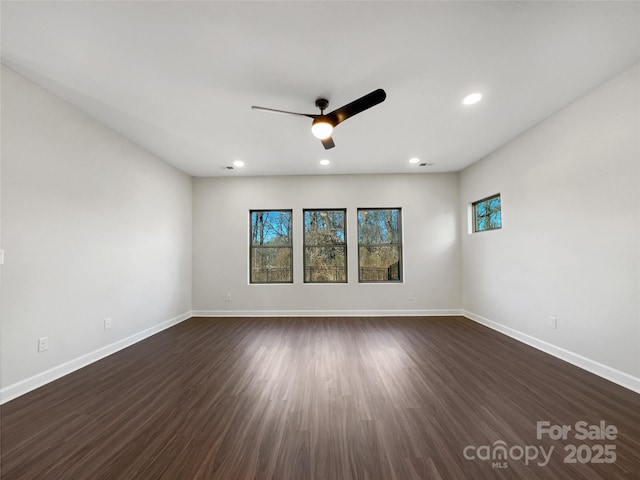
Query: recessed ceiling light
[238, 163]
[471, 99]
[324, 162]
[414, 160]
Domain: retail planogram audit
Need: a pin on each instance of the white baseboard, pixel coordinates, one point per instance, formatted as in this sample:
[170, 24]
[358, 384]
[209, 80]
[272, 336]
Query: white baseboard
[36, 381]
[616, 376]
[326, 313]
[40, 379]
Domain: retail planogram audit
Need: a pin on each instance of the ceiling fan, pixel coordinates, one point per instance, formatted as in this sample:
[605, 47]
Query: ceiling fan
[323, 124]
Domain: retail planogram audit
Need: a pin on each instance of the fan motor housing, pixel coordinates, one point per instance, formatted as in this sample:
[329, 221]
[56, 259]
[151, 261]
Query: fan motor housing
[322, 103]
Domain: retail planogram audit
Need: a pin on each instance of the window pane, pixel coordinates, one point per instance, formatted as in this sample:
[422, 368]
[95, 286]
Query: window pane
[324, 227]
[325, 250]
[271, 265]
[271, 227]
[494, 220]
[325, 264]
[270, 255]
[378, 226]
[379, 263]
[379, 245]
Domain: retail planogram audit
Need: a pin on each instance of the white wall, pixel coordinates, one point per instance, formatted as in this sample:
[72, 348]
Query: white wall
[432, 264]
[569, 246]
[92, 226]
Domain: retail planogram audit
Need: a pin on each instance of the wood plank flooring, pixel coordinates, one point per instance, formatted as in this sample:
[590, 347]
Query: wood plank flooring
[316, 398]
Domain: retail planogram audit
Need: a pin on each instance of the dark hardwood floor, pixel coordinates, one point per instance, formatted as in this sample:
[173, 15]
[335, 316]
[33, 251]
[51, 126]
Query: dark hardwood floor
[319, 398]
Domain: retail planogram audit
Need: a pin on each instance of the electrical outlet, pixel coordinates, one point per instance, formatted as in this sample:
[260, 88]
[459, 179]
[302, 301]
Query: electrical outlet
[228, 297]
[553, 322]
[43, 344]
[107, 323]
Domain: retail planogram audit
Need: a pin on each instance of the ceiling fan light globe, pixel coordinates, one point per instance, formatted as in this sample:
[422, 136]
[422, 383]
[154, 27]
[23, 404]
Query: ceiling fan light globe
[321, 129]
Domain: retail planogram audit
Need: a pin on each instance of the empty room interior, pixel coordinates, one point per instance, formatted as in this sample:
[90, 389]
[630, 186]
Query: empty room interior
[320, 240]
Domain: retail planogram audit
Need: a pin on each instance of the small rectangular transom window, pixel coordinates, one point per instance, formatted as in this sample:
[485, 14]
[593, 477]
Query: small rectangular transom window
[487, 214]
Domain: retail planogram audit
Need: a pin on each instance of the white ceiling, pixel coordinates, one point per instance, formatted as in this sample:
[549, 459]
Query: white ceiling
[179, 78]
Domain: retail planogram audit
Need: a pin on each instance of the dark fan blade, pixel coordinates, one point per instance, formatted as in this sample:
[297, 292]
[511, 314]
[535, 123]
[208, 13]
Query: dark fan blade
[271, 110]
[328, 143]
[350, 109]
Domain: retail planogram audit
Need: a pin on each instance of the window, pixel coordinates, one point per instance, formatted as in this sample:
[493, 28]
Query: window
[325, 248]
[487, 214]
[379, 245]
[271, 259]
